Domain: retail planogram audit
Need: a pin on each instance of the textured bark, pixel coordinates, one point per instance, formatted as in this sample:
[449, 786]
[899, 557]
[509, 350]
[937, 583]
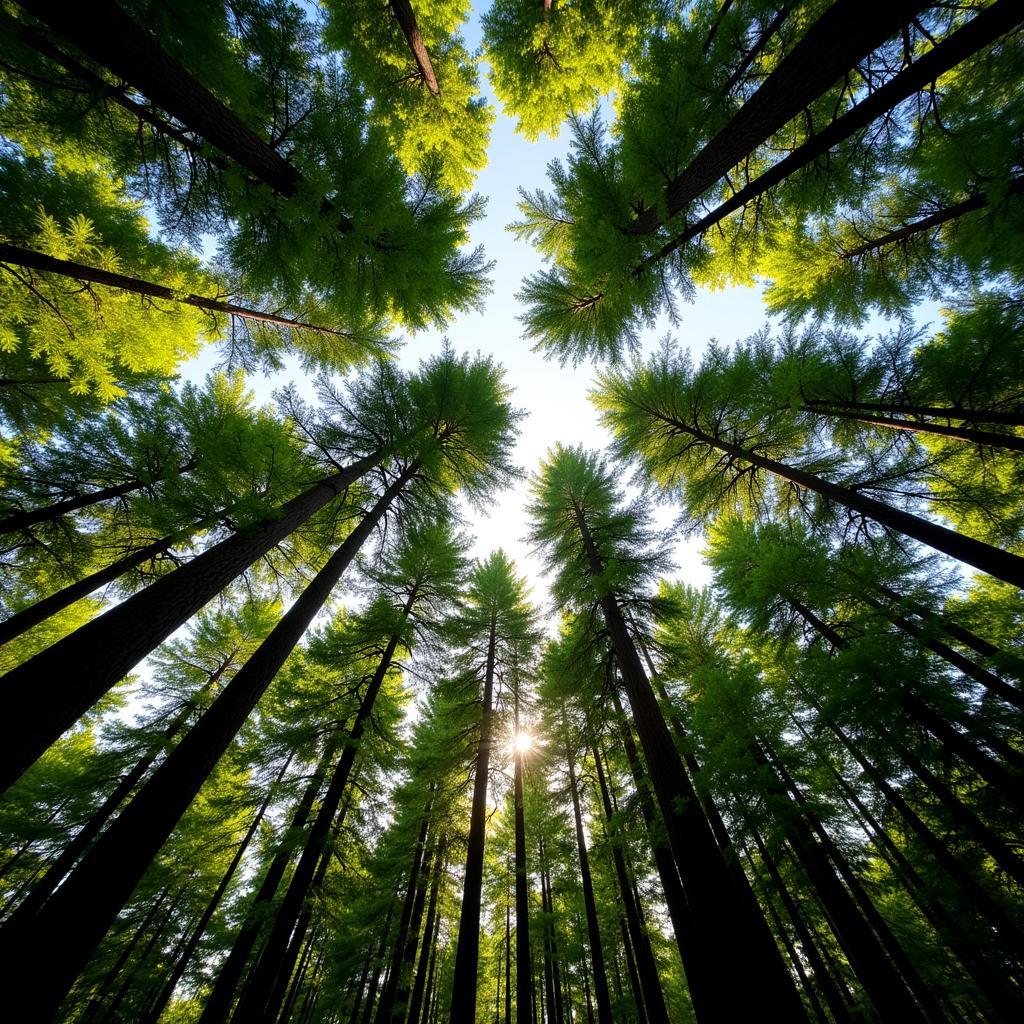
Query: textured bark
[467, 951]
[842, 36]
[724, 927]
[984, 29]
[16, 256]
[48, 693]
[406, 18]
[604, 1006]
[90, 899]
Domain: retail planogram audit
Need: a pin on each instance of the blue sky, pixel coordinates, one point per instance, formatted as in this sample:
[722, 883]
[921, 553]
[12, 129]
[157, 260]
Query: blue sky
[554, 397]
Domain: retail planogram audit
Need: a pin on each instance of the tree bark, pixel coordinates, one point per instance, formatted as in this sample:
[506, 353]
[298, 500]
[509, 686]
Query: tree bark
[17, 256]
[724, 926]
[406, 18]
[841, 37]
[47, 694]
[467, 951]
[984, 29]
[604, 1006]
[90, 899]
[107, 35]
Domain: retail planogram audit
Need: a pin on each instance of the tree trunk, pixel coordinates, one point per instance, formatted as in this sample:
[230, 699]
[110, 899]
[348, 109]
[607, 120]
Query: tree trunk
[406, 18]
[17, 256]
[724, 926]
[524, 961]
[1003, 565]
[40, 611]
[604, 1006]
[90, 899]
[840, 38]
[218, 1004]
[105, 34]
[970, 435]
[259, 987]
[752, 54]
[429, 933]
[647, 971]
[47, 694]
[467, 951]
[984, 29]
[154, 1012]
[945, 412]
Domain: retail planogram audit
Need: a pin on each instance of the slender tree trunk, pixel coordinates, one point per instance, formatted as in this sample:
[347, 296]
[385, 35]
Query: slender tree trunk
[41, 610]
[754, 52]
[87, 903]
[604, 1006]
[655, 1009]
[258, 989]
[14, 255]
[946, 412]
[724, 925]
[467, 951]
[429, 995]
[1003, 565]
[105, 34]
[19, 519]
[841, 37]
[218, 1004]
[984, 29]
[429, 933]
[508, 967]
[47, 694]
[969, 435]
[186, 954]
[524, 961]
[406, 18]
[977, 201]
[635, 986]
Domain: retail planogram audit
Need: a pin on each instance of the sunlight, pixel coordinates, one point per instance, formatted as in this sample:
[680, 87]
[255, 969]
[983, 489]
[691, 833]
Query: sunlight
[522, 742]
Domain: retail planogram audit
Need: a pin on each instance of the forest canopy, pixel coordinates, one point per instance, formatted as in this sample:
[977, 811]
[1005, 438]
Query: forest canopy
[512, 511]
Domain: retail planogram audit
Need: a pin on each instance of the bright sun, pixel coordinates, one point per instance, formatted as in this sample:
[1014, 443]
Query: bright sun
[522, 742]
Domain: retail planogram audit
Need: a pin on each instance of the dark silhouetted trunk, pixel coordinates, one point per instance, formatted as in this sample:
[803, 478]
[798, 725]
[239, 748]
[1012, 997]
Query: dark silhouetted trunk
[48, 693]
[416, 999]
[84, 907]
[842, 36]
[524, 961]
[16, 256]
[604, 1006]
[945, 412]
[467, 950]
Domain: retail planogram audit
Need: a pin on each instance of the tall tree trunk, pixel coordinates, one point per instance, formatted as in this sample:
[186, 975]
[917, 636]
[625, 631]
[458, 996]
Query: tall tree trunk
[47, 694]
[524, 961]
[185, 955]
[84, 907]
[840, 38]
[429, 933]
[724, 925]
[604, 1006]
[969, 435]
[1003, 565]
[508, 966]
[14, 255]
[74, 849]
[258, 989]
[105, 34]
[467, 951]
[19, 519]
[945, 412]
[406, 18]
[429, 994]
[41, 610]
[218, 1004]
[984, 29]
[378, 968]
[655, 1009]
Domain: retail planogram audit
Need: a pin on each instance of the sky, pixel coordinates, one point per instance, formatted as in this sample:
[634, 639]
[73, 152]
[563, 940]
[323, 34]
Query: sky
[554, 397]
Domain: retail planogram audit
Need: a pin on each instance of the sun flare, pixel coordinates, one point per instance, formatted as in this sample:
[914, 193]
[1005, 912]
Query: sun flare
[522, 742]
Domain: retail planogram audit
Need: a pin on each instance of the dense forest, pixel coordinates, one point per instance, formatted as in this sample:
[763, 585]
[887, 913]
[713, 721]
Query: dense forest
[281, 744]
